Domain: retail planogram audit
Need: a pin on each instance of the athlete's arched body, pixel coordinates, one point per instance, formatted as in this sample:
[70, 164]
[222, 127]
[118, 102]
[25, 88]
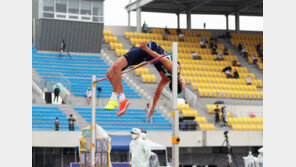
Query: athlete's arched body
[136, 55]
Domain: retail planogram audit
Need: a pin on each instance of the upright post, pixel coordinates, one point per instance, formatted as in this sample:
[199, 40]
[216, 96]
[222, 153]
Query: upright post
[175, 112]
[138, 19]
[93, 121]
[188, 19]
[237, 22]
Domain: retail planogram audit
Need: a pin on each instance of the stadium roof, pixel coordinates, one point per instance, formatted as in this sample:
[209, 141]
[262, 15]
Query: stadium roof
[243, 7]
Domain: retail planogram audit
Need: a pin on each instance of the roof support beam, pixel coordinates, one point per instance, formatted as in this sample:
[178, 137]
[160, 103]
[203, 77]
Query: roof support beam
[199, 4]
[246, 6]
[137, 4]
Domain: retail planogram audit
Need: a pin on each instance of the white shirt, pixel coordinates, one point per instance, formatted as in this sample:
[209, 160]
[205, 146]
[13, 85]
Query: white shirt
[181, 36]
[140, 153]
[88, 93]
[249, 80]
[194, 54]
[220, 55]
[227, 72]
[202, 43]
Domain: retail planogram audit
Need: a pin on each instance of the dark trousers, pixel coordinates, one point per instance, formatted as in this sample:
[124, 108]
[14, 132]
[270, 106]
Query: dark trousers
[56, 128]
[56, 96]
[71, 127]
[217, 118]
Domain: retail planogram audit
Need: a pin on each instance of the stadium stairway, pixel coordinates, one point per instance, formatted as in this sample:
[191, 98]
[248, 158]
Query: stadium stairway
[244, 62]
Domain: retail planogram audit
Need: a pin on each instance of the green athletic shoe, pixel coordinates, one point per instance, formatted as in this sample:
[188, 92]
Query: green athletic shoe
[111, 104]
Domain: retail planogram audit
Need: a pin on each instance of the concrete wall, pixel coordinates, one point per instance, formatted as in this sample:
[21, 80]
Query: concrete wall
[188, 139]
[79, 36]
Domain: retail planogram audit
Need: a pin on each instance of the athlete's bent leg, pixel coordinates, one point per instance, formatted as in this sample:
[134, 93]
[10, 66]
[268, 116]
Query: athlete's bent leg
[114, 76]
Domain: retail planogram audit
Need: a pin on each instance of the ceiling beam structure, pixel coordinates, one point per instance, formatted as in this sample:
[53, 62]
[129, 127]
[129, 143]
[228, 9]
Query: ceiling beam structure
[136, 4]
[245, 6]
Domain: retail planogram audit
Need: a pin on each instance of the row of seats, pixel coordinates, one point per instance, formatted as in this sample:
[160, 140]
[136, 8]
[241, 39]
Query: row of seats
[205, 126]
[197, 81]
[231, 94]
[195, 73]
[109, 39]
[114, 46]
[185, 32]
[228, 87]
[247, 127]
[213, 68]
[141, 71]
[121, 52]
[239, 120]
[132, 118]
[148, 78]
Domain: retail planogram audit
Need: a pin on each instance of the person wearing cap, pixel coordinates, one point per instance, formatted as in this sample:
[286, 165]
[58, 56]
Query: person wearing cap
[139, 149]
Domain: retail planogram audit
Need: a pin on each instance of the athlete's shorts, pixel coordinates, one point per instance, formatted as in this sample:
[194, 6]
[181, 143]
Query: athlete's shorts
[136, 56]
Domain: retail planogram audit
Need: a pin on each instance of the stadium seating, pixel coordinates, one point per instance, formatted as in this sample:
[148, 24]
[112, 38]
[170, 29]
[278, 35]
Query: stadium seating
[204, 75]
[249, 41]
[132, 118]
[43, 119]
[77, 71]
[239, 123]
[202, 121]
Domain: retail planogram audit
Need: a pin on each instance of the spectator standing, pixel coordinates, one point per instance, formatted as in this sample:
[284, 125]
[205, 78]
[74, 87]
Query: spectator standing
[217, 111]
[249, 80]
[251, 160]
[240, 46]
[88, 95]
[64, 49]
[235, 74]
[71, 123]
[57, 123]
[147, 111]
[224, 115]
[167, 30]
[234, 62]
[140, 150]
[145, 27]
[181, 37]
[165, 36]
[56, 93]
[225, 51]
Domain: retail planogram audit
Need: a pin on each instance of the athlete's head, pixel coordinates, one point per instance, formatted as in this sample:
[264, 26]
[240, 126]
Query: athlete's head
[181, 85]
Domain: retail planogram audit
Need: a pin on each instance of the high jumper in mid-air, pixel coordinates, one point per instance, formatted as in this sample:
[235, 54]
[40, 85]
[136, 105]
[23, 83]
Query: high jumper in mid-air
[136, 55]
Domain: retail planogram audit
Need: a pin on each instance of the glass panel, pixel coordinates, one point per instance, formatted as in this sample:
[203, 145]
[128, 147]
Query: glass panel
[48, 15]
[48, 5]
[73, 6]
[61, 16]
[98, 8]
[85, 18]
[73, 17]
[85, 7]
[61, 6]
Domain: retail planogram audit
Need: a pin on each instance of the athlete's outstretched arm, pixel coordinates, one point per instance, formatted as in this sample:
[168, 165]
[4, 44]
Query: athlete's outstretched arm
[166, 62]
[157, 93]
